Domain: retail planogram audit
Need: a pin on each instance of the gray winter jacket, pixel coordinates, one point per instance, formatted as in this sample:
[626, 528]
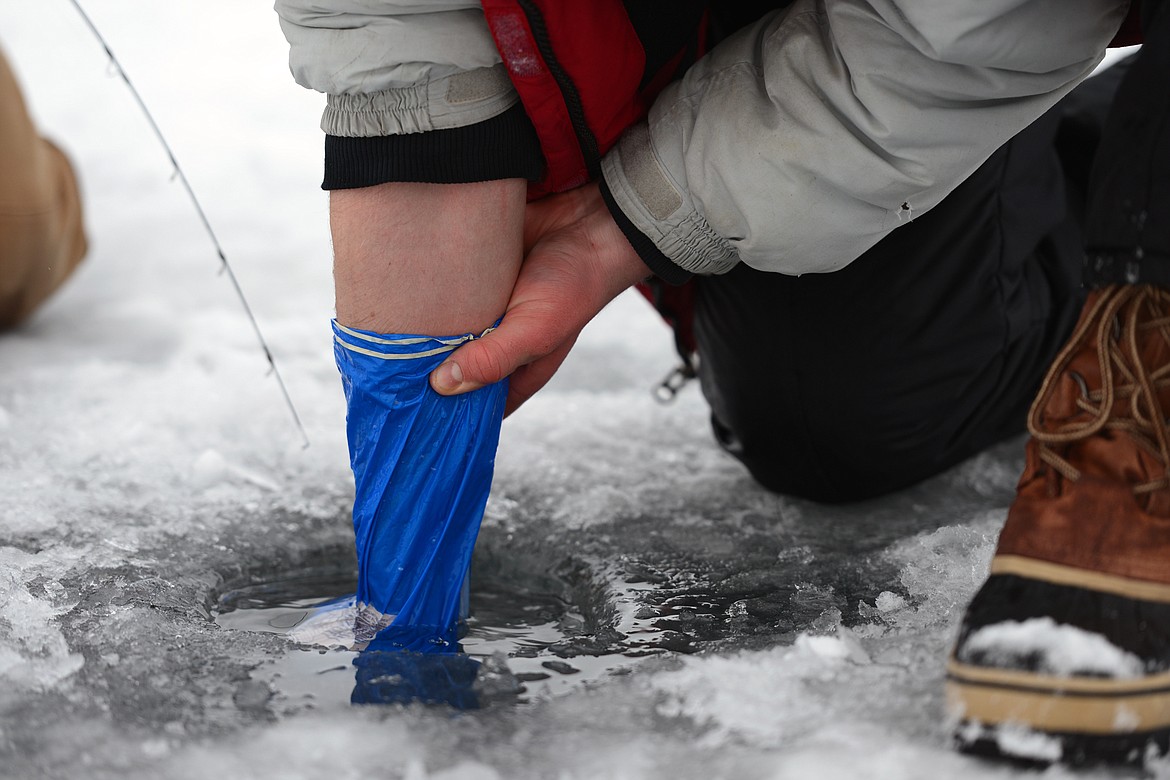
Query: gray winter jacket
[794, 146]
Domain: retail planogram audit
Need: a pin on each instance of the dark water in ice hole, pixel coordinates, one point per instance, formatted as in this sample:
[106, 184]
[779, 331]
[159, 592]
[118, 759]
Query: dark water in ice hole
[559, 621]
[557, 628]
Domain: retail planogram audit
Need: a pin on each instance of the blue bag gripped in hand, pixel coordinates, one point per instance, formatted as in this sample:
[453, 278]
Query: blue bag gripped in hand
[422, 466]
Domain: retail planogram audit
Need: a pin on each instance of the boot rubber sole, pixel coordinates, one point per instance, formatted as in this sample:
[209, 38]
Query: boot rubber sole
[1059, 704]
[1035, 717]
[1039, 719]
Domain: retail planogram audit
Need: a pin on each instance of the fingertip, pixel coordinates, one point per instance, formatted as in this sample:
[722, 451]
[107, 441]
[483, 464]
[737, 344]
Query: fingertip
[447, 379]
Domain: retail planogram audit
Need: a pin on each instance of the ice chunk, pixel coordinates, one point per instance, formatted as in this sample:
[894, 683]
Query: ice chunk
[209, 468]
[762, 697]
[212, 468]
[33, 652]
[328, 625]
[828, 647]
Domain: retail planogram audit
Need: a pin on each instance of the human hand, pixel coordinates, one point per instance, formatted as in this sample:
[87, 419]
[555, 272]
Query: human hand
[576, 261]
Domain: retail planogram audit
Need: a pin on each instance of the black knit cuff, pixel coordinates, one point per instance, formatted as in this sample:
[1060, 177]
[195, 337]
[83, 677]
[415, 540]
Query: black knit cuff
[503, 147]
[662, 266]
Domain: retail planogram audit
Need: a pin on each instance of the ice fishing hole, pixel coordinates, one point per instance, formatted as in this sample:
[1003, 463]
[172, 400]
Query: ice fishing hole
[556, 623]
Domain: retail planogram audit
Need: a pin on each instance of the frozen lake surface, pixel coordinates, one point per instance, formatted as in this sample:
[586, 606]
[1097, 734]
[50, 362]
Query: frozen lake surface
[666, 617]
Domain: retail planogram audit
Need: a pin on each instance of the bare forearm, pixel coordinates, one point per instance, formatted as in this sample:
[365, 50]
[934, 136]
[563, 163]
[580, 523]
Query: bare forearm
[426, 258]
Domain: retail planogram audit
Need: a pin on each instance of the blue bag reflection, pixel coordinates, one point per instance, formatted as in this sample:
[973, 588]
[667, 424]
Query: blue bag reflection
[386, 674]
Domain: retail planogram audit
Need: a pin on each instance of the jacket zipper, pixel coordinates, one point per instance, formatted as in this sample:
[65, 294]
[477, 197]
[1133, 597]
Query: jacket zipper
[585, 138]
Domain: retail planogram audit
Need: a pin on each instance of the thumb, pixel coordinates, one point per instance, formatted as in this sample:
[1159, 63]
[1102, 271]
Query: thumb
[486, 360]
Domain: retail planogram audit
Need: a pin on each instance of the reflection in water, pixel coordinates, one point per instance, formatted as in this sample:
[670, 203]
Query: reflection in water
[518, 633]
[388, 675]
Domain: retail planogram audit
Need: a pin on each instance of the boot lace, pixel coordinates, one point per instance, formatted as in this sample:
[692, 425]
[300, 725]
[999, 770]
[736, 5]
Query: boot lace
[1120, 322]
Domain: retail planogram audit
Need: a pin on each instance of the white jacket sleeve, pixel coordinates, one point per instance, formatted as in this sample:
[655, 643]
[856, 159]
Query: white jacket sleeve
[801, 141]
[392, 67]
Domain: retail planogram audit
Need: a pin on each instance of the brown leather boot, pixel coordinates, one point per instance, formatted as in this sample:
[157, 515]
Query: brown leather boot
[1064, 654]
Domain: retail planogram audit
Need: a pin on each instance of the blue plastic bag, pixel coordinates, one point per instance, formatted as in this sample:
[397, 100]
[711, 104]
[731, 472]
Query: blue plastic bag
[422, 466]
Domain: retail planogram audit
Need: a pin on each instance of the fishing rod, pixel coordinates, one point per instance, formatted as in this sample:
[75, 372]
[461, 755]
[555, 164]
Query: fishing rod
[225, 267]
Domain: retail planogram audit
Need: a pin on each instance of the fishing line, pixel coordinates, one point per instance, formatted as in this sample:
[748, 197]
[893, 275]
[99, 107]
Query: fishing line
[225, 267]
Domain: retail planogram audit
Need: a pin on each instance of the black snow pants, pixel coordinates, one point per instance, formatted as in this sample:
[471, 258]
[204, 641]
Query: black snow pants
[930, 347]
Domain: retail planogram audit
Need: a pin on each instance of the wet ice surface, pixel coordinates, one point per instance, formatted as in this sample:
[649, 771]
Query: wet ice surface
[148, 468]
